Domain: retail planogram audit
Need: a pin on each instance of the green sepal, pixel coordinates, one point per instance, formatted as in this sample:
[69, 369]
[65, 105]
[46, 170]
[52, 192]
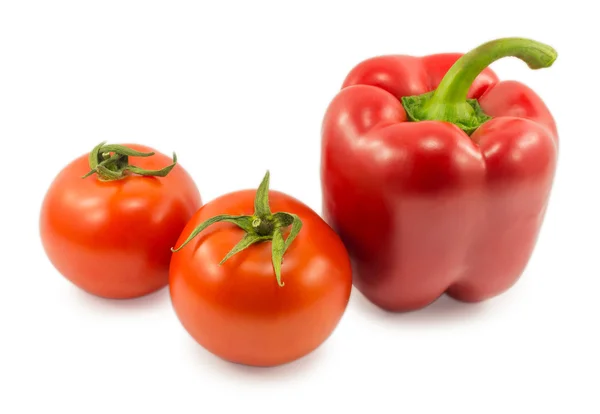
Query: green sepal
[248, 240]
[283, 219]
[261, 200]
[153, 173]
[279, 245]
[296, 227]
[123, 150]
[244, 222]
[278, 248]
[469, 117]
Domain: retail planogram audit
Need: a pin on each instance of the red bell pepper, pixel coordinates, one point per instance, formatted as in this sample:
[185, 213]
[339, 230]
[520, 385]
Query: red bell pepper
[436, 175]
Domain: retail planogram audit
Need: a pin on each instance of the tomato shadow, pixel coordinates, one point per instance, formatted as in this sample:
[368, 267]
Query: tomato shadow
[289, 371]
[443, 310]
[153, 300]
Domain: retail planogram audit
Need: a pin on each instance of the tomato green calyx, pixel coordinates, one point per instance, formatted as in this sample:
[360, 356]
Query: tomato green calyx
[261, 226]
[111, 162]
[449, 101]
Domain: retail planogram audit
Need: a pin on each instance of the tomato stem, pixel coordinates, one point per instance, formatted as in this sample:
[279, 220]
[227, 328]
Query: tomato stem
[260, 226]
[111, 162]
[263, 227]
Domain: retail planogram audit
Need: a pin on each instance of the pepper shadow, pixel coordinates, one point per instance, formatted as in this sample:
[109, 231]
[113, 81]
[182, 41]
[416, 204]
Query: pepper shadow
[442, 310]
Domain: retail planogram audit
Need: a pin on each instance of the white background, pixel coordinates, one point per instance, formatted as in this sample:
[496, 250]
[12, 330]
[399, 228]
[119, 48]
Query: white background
[236, 88]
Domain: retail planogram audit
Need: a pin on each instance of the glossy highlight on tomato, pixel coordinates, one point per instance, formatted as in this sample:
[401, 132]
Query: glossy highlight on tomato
[237, 310]
[112, 238]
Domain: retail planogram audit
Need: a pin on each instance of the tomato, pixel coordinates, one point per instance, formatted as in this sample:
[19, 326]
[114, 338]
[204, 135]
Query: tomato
[113, 238]
[239, 310]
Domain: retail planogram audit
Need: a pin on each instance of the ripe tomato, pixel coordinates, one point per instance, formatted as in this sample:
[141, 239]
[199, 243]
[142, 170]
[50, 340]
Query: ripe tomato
[112, 238]
[237, 310]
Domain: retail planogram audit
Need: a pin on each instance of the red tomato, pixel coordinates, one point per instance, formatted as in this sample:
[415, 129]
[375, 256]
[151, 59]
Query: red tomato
[237, 310]
[113, 238]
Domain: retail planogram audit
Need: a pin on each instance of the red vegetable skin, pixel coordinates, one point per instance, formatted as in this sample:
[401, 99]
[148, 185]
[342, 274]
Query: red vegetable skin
[432, 193]
[257, 287]
[111, 233]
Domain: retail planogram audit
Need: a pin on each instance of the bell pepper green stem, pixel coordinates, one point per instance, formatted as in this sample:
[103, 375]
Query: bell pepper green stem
[449, 101]
[458, 80]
